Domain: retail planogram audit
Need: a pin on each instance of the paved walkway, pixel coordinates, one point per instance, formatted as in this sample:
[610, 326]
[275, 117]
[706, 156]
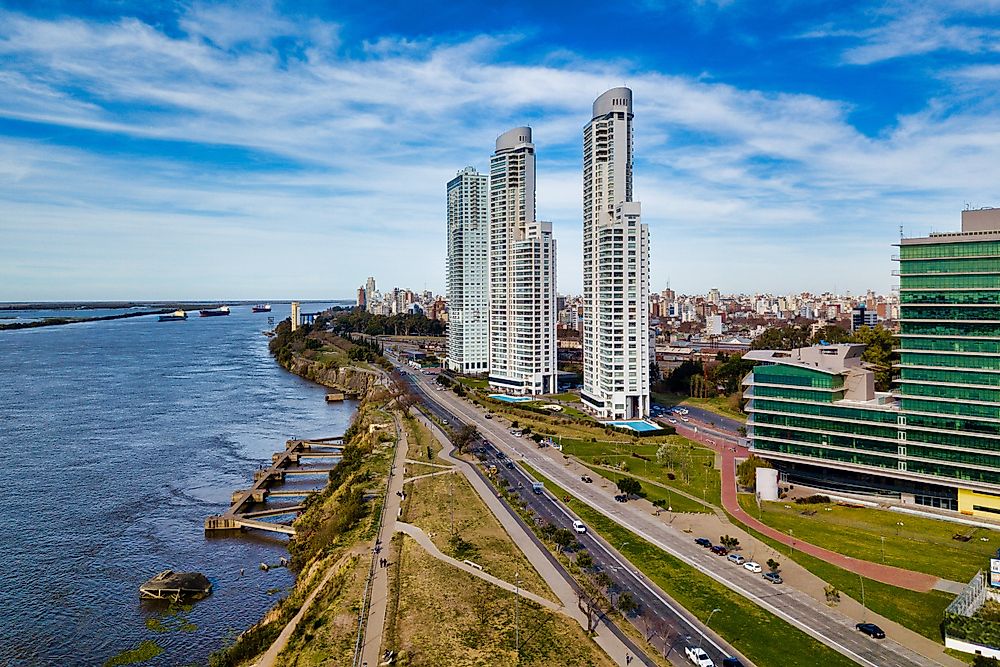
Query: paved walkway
[887, 574]
[424, 541]
[379, 594]
[609, 642]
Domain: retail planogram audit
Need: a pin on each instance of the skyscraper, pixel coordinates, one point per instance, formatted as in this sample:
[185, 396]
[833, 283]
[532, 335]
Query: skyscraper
[468, 272]
[370, 293]
[615, 267]
[522, 256]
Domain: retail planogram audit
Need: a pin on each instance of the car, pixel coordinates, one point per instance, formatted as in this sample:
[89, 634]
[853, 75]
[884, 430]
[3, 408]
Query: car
[871, 630]
[587, 479]
[621, 498]
[444, 421]
[685, 419]
[579, 527]
[704, 542]
[672, 420]
[753, 567]
[508, 465]
[489, 416]
[736, 558]
[773, 577]
[731, 662]
[720, 550]
[697, 656]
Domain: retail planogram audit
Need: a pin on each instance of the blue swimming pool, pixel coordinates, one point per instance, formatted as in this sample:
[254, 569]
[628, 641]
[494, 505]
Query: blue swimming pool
[636, 425]
[512, 399]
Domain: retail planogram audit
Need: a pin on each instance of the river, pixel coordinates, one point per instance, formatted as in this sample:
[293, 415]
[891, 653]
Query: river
[118, 439]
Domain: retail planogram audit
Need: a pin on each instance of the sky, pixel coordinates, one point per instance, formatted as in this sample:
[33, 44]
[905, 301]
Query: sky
[205, 150]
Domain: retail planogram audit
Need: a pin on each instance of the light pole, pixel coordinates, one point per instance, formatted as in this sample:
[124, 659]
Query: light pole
[702, 638]
[883, 548]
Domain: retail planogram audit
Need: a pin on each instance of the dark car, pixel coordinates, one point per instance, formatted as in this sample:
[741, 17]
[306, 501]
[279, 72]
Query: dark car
[720, 550]
[704, 542]
[731, 662]
[773, 577]
[508, 465]
[871, 630]
[587, 479]
[621, 498]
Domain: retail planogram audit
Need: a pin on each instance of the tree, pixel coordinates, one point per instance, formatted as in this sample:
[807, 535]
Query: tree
[729, 542]
[465, 437]
[746, 471]
[563, 538]
[666, 455]
[879, 343]
[627, 604]
[679, 380]
[629, 486]
[831, 333]
[773, 565]
[584, 560]
[730, 373]
[593, 606]
[786, 337]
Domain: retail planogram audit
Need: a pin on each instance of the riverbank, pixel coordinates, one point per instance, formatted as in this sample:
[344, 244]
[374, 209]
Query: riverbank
[329, 548]
[59, 321]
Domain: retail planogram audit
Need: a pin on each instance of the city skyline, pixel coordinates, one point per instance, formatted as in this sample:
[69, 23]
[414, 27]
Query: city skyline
[198, 151]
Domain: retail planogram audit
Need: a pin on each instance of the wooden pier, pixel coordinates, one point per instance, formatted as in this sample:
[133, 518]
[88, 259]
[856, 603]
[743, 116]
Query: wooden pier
[239, 516]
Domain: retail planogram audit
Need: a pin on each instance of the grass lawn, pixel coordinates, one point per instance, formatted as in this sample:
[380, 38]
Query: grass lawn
[448, 618]
[422, 443]
[923, 545]
[920, 612]
[758, 634]
[475, 383]
[568, 396]
[677, 502]
[692, 466]
[437, 503]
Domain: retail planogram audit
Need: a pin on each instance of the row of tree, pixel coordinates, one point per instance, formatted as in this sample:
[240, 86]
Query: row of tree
[358, 320]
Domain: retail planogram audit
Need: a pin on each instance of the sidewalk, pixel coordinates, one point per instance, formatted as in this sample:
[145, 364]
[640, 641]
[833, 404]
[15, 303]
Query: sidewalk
[379, 596]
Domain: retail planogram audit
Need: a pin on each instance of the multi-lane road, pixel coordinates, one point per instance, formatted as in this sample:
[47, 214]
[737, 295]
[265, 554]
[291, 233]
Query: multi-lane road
[799, 609]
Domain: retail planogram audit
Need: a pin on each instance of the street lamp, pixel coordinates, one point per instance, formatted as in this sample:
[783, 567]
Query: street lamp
[883, 548]
[702, 638]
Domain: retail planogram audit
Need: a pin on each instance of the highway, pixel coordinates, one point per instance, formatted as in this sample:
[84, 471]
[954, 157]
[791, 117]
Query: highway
[799, 609]
[675, 627]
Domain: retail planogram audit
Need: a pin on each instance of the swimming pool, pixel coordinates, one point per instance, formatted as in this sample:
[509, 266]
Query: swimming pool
[512, 399]
[636, 425]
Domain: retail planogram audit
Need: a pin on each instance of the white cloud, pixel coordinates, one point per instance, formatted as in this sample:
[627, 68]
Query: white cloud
[360, 148]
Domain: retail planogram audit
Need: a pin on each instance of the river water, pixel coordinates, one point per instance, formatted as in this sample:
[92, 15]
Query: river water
[118, 439]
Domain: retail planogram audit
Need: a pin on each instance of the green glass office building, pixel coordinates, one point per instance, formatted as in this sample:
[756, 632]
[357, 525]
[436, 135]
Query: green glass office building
[933, 440]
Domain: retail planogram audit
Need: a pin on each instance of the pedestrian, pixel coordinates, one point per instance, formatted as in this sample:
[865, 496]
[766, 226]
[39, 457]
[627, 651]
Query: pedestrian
[628, 658]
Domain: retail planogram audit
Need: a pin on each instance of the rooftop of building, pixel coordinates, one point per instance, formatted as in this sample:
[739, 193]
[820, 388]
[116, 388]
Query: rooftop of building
[616, 99]
[833, 359]
[982, 224]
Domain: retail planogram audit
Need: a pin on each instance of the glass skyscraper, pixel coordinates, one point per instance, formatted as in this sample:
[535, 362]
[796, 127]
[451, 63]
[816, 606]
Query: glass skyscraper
[935, 439]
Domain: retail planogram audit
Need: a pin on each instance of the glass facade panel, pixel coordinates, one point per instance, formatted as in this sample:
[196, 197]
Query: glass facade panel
[884, 416]
[957, 297]
[800, 377]
[949, 313]
[951, 345]
[946, 407]
[982, 330]
[971, 265]
[949, 282]
[801, 394]
[951, 376]
[946, 249]
[950, 361]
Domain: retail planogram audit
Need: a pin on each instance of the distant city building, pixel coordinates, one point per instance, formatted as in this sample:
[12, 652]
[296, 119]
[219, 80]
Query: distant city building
[862, 317]
[295, 316]
[522, 257]
[468, 272]
[713, 325]
[934, 440]
[370, 292]
[362, 301]
[615, 267]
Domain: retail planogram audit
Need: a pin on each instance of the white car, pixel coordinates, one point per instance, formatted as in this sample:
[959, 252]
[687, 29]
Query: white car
[753, 567]
[579, 527]
[685, 419]
[672, 420]
[697, 655]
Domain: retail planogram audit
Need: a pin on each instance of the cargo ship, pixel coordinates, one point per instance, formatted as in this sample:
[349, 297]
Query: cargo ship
[215, 312]
[262, 308]
[174, 316]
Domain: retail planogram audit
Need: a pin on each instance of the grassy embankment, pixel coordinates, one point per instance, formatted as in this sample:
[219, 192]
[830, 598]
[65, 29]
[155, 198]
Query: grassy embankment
[442, 616]
[331, 537]
[758, 634]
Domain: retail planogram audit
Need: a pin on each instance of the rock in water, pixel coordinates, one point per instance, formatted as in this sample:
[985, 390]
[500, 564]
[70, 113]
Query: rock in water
[170, 585]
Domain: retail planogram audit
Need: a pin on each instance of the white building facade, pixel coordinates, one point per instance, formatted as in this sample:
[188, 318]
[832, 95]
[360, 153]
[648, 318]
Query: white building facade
[468, 272]
[615, 267]
[522, 274]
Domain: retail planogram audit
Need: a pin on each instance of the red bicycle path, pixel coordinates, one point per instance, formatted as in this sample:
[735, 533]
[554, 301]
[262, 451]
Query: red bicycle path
[887, 574]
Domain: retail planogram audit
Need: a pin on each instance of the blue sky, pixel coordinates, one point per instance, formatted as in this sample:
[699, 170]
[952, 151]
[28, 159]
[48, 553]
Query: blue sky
[280, 150]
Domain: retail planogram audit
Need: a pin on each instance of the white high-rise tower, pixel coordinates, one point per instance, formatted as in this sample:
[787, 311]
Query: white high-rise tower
[615, 267]
[468, 272]
[522, 273]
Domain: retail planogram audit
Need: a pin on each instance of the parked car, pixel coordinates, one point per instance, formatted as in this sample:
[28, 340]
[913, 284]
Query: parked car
[697, 655]
[621, 498]
[444, 421]
[720, 550]
[685, 419]
[871, 630]
[731, 662]
[509, 465]
[586, 479]
[704, 542]
[579, 527]
[736, 558]
[773, 577]
[672, 420]
[753, 567]
[489, 416]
